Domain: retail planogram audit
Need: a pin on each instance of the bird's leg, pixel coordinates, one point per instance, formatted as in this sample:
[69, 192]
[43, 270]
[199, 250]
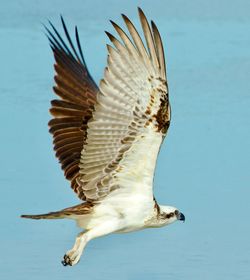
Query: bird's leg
[72, 257]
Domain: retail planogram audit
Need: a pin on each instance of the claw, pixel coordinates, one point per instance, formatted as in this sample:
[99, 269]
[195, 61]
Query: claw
[64, 263]
[66, 260]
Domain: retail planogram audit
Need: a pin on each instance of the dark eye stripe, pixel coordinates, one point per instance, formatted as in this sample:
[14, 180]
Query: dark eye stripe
[170, 215]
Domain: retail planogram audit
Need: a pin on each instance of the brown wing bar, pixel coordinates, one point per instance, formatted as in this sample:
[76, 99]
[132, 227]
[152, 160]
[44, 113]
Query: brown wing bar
[77, 95]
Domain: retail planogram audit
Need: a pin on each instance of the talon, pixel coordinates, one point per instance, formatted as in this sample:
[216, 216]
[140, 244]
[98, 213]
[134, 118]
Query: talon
[66, 260]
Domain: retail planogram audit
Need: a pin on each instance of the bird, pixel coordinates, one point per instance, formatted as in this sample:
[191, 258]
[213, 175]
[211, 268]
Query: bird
[107, 138]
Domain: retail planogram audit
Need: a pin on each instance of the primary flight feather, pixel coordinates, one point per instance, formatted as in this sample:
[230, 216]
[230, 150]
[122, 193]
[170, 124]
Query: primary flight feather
[107, 139]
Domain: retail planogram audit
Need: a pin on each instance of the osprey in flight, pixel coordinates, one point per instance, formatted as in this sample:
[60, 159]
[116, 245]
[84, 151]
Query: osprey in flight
[107, 138]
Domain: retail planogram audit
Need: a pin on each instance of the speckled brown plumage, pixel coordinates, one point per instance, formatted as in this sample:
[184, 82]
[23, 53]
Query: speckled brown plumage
[163, 115]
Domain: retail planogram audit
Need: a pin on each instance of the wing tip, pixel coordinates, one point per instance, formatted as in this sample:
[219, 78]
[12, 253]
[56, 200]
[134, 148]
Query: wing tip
[140, 12]
[110, 36]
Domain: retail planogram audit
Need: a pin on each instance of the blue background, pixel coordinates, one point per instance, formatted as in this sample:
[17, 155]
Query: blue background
[203, 166]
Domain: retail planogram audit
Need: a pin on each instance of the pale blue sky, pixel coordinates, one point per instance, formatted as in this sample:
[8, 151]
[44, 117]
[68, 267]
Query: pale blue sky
[203, 166]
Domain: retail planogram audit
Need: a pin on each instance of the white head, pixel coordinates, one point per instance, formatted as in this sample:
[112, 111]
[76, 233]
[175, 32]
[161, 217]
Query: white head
[169, 214]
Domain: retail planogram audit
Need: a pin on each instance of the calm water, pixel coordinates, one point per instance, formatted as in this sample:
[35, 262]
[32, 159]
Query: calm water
[203, 167]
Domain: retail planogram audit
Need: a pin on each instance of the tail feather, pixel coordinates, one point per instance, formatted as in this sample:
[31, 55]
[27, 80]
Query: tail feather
[51, 215]
[80, 209]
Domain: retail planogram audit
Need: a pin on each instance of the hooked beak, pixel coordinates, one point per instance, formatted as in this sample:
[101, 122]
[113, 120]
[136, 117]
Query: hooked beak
[181, 217]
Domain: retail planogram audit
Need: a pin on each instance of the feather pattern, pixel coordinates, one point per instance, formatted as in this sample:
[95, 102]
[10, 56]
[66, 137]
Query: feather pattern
[127, 119]
[101, 135]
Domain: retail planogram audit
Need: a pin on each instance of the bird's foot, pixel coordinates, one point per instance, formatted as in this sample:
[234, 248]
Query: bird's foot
[71, 258]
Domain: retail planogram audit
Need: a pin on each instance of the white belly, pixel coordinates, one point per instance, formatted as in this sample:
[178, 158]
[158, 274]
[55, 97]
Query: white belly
[129, 215]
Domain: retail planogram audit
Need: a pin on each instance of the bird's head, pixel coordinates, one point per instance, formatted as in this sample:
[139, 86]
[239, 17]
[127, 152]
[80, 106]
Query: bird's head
[169, 214]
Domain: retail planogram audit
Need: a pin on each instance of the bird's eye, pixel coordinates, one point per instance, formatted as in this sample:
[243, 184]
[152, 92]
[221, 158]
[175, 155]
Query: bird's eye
[176, 212]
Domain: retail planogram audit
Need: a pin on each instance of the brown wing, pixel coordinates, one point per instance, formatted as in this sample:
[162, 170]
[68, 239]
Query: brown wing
[77, 96]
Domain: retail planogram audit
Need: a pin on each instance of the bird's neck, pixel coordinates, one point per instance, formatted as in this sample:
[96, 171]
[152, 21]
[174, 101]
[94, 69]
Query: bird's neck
[155, 220]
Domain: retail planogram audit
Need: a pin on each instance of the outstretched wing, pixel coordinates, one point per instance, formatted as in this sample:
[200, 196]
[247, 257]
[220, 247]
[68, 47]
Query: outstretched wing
[130, 119]
[77, 92]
